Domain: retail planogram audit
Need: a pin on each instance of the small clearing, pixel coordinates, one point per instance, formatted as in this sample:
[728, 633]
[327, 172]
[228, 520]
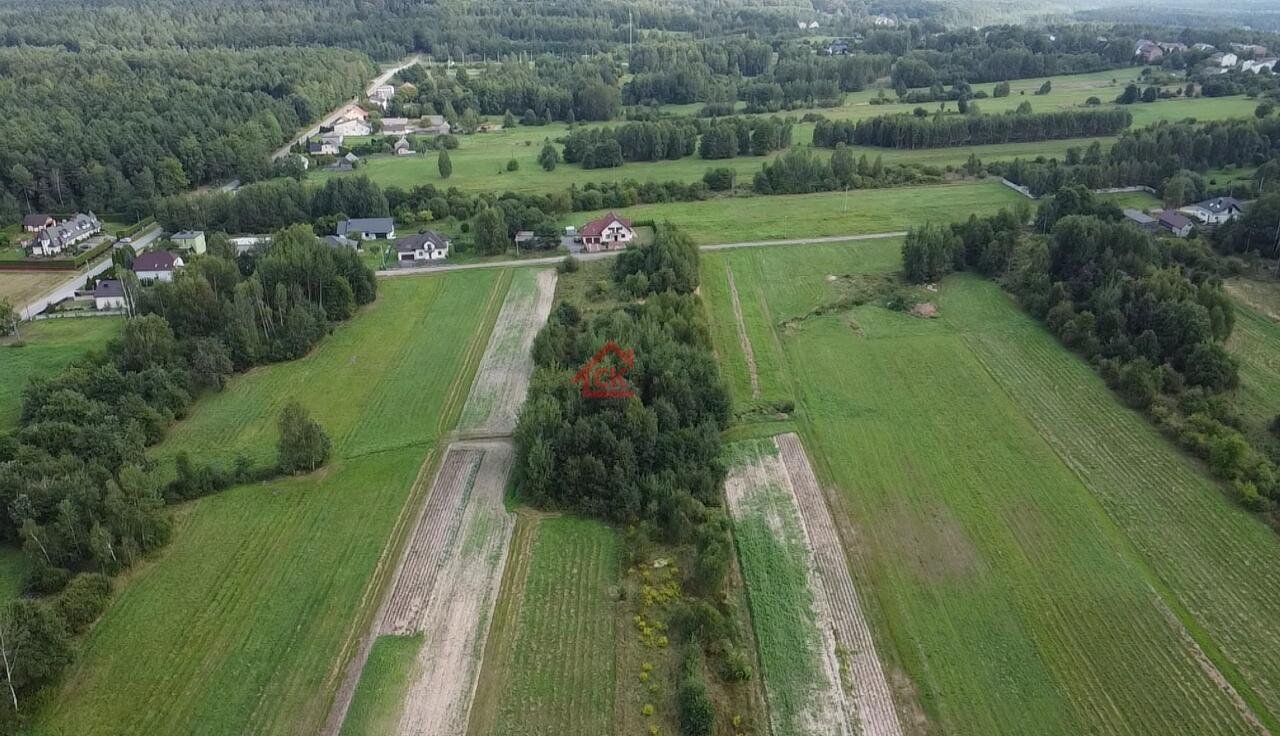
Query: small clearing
[503, 378]
[873, 709]
[742, 333]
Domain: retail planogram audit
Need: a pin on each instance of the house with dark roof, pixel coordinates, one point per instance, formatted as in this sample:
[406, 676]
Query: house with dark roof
[1215, 211]
[424, 245]
[322, 147]
[36, 223]
[609, 232]
[1174, 223]
[368, 228]
[69, 233]
[156, 265]
[108, 294]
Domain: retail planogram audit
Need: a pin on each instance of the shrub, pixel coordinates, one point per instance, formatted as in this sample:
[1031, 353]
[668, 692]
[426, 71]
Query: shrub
[513, 165]
[697, 715]
[84, 598]
[569, 265]
[303, 444]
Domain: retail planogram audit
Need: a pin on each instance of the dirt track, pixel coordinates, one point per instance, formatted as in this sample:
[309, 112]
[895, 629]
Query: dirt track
[873, 707]
[747, 352]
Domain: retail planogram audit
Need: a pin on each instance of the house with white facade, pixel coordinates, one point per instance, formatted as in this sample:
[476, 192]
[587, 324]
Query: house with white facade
[155, 266]
[190, 240]
[609, 232]
[1224, 59]
[108, 294]
[1257, 66]
[368, 228]
[54, 239]
[36, 223]
[402, 147]
[1215, 211]
[421, 246]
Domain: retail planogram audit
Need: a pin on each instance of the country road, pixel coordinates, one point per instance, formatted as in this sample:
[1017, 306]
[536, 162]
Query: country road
[552, 260]
[333, 116]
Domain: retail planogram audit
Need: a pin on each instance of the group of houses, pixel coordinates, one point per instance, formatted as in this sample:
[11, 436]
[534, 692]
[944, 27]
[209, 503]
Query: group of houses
[1246, 57]
[1179, 223]
[152, 267]
[51, 237]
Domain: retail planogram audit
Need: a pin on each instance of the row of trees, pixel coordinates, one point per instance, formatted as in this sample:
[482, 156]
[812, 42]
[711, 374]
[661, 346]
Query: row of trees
[659, 140]
[904, 131]
[801, 171]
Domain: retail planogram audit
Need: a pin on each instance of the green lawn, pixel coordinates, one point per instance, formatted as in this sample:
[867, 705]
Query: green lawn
[1255, 342]
[1032, 553]
[375, 710]
[46, 347]
[549, 666]
[790, 216]
[237, 625]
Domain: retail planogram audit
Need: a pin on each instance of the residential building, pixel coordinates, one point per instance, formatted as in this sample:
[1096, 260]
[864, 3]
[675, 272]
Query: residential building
[322, 148]
[1175, 223]
[402, 148]
[382, 95]
[838, 48]
[435, 125]
[425, 245]
[108, 294]
[1171, 46]
[156, 265]
[192, 240]
[338, 241]
[1149, 52]
[36, 223]
[249, 243]
[610, 232]
[1225, 60]
[1141, 219]
[1203, 47]
[523, 237]
[1215, 211]
[1249, 50]
[395, 126]
[334, 138]
[1257, 66]
[368, 228]
[352, 127]
[54, 239]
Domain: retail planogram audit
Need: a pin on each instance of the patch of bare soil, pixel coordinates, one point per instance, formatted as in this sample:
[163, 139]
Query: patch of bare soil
[928, 310]
[871, 699]
[743, 339]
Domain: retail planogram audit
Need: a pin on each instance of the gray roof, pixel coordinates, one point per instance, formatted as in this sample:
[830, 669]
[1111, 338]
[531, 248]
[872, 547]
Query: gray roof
[35, 220]
[187, 235]
[1220, 204]
[338, 241]
[425, 240]
[1139, 217]
[108, 288]
[378, 225]
[64, 232]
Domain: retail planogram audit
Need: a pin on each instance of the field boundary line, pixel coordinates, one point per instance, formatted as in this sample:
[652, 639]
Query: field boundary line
[343, 690]
[1164, 594]
[743, 338]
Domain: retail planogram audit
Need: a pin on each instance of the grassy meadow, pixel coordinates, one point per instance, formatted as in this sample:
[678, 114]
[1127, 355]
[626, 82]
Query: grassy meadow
[1038, 559]
[20, 288]
[376, 707]
[237, 625]
[45, 348]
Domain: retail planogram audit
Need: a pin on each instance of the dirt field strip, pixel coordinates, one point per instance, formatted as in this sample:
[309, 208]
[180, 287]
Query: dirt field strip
[873, 704]
[742, 333]
[814, 701]
[503, 378]
[455, 620]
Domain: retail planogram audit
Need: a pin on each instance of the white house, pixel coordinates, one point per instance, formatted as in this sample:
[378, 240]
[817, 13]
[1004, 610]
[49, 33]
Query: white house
[1259, 65]
[1175, 223]
[248, 243]
[54, 239]
[38, 222]
[422, 246]
[1225, 60]
[156, 265]
[352, 127]
[322, 148]
[402, 148]
[108, 294]
[382, 95]
[610, 232]
[368, 228]
[1214, 211]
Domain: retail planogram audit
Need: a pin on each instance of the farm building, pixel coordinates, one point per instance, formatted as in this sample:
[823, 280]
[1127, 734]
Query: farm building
[609, 232]
[157, 265]
[422, 246]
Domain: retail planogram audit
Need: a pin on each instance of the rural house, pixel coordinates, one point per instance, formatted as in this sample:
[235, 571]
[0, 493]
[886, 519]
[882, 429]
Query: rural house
[36, 223]
[1257, 66]
[610, 232]
[54, 239]
[1148, 52]
[352, 121]
[338, 241]
[1215, 211]
[425, 245]
[402, 148]
[108, 294]
[322, 148]
[382, 95]
[190, 240]
[368, 228]
[1141, 219]
[1225, 60]
[435, 125]
[395, 126]
[156, 265]
[1175, 223]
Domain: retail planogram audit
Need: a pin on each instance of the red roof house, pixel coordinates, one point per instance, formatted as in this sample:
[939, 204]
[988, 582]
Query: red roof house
[610, 232]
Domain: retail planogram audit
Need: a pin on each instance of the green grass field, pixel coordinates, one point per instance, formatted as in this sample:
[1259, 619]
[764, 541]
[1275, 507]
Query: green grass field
[1255, 342]
[375, 709]
[237, 625]
[549, 665]
[46, 347]
[1037, 557]
[479, 163]
[826, 214]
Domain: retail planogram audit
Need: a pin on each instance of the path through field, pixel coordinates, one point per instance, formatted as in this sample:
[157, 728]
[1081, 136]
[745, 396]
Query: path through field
[872, 702]
[742, 333]
[503, 378]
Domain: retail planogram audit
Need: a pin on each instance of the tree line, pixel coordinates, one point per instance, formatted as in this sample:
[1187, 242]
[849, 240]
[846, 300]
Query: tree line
[905, 131]
[81, 496]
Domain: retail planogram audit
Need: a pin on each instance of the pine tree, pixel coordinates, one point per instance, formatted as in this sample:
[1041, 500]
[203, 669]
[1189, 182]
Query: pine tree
[445, 165]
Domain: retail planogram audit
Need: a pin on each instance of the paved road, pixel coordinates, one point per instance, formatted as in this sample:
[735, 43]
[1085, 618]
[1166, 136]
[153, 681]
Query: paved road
[553, 260]
[329, 119]
[75, 280]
